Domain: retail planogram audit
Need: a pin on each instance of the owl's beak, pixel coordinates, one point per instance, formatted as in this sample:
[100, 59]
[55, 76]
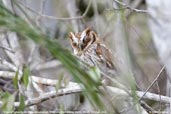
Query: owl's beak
[82, 46]
[80, 50]
[79, 46]
[79, 53]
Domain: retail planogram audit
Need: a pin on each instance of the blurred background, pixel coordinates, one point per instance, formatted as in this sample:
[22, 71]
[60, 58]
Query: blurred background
[137, 31]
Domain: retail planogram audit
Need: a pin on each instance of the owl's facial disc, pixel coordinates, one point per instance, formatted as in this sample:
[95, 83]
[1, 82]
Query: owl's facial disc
[81, 41]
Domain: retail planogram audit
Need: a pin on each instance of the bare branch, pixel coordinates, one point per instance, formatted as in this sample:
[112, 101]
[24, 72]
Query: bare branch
[72, 88]
[33, 50]
[9, 65]
[7, 74]
[41, 12]
[10, 40]
[7, 49]
[157, 84]
[147, 107]
[37, 87]
[47, 65]
[77, 89]
[154, 97]
[48, 95]
[36, 79]
[60, 18]
[145, 94]
[125, 6]
[153, 82]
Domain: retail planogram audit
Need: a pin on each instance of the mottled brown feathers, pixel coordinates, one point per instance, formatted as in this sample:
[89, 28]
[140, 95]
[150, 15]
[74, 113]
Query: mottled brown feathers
[87, 47]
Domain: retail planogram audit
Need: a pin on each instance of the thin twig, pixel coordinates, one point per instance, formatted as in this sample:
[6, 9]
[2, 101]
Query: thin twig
[10, 40]
[134, 5]
[9, 65]
[157, 84]
[154, 97]
[48, 64]
[61, 18]
[32, 52]
[7, 49]
[147, 107]
[41, 11]
[153, 82]
[125, 6]
[27, 17]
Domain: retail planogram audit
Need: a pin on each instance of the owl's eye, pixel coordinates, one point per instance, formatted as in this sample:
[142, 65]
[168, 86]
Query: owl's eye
[86, 39]
[74, 44]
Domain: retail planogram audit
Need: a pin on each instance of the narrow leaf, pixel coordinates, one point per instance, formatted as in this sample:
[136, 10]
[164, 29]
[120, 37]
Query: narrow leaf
[58, 85]
[94, 73]
[8, 102]
[22, 103]
[25, 77]
[15, 80]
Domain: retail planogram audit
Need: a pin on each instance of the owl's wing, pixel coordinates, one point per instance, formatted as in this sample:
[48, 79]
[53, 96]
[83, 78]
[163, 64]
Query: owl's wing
[105, 55]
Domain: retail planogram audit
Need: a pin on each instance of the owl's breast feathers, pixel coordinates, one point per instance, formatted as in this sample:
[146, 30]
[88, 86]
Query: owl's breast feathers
[90, 56]
[98, 55]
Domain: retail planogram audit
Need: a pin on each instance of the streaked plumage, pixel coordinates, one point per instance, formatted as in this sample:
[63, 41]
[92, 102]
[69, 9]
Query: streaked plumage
[87, 46]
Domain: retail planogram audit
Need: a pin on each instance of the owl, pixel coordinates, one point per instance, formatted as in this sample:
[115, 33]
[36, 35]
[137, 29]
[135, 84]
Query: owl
[88, 47]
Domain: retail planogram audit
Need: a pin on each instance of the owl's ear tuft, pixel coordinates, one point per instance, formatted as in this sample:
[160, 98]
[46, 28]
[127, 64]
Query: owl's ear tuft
[70, 35]
[87, 30]
[93, 35]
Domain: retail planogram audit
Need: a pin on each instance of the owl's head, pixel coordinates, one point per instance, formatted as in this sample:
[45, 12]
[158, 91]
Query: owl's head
[82, 40]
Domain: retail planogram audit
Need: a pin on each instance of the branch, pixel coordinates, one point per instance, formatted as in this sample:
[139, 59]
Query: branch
[60, 18]
[7, 49]
[40, 80]
[48, 95]
[7, 74]
[47, 65]
[72, 89]
[9, 65]
[125, 6]
[153, 82]
[155, 97]
[41, 12]
[10, 40]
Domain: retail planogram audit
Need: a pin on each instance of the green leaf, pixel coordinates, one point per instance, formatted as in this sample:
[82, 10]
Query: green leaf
[61, 109]
[8, 102]
[94, 73]
[58, 85]
[25, 77]
[22, 103]
[18, 25]
[15, 80]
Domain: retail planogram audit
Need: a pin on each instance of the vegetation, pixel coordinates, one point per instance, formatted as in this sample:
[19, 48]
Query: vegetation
[39, 73]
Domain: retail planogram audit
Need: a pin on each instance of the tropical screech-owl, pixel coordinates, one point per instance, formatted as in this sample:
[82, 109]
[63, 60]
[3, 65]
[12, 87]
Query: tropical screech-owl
[87, 46]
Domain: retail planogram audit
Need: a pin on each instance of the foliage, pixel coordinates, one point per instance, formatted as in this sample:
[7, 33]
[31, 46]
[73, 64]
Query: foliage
[11, 22]
[22, 103]
[25, 77]
[15, 80]
[8, 101]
